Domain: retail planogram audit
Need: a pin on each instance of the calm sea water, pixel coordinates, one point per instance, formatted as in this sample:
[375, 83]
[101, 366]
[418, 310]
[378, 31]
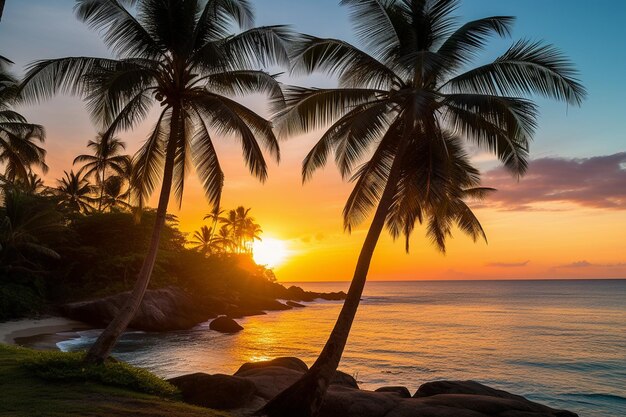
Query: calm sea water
[562, 343]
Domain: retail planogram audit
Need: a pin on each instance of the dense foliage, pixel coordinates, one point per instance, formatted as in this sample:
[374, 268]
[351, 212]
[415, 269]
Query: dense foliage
[51, 254]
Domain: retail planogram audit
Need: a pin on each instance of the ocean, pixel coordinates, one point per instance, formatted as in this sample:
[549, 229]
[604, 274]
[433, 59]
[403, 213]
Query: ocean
[561, 343]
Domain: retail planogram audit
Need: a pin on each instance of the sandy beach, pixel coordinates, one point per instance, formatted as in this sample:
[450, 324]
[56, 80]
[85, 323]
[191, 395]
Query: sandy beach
[43, 333]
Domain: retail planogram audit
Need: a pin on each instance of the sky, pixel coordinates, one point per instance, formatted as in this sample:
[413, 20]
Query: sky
[565, 219]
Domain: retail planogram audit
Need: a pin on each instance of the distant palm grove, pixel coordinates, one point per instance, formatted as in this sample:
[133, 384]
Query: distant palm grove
[406, 106]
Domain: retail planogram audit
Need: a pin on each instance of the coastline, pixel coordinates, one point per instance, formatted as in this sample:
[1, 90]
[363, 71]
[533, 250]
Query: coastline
[42, 333]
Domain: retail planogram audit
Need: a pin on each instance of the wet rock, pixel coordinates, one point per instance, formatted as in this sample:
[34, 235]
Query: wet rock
[284, 362]
[294, 304]
[225, 325]
[344, 380]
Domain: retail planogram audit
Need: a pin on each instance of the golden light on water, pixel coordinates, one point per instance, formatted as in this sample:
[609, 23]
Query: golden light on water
[270, 252]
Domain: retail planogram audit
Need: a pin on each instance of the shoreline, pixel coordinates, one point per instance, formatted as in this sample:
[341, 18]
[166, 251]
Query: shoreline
[42, 333]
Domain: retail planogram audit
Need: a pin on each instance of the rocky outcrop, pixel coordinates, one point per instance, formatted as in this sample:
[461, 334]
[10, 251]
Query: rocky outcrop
[225, 325]
[171, 308]
[344, 399]
[161, 310]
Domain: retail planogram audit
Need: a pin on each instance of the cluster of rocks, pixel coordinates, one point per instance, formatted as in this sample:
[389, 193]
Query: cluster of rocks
[171, 308]
[255, 383]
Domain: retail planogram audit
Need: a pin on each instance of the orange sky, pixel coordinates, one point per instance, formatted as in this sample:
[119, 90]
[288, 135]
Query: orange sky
[549, 241]
[527, 238]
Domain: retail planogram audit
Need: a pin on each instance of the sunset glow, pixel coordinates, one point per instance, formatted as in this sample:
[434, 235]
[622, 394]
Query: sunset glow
[270, 252]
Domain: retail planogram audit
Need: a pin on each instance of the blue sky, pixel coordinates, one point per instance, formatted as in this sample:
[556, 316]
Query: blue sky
[593, 34]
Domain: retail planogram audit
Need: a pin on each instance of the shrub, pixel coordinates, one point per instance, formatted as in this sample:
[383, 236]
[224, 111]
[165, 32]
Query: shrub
[69, 367]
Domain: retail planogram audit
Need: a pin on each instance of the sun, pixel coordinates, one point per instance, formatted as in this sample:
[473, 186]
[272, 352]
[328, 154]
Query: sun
[269, 252]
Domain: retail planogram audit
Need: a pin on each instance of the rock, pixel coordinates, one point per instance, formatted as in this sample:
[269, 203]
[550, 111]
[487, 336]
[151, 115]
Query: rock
[220, 392]
[344, 399]
[294, 304]
[163, 309]
[401, 391]
[344, 380]
[225, 325]
[284, 362]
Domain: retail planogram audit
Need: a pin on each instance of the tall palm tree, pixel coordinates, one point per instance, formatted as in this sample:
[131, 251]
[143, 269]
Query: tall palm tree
[75, 192]
[251, 232]
[182, 55]
[406, 107]
[224, 240]
[106, 158]
[19, 151]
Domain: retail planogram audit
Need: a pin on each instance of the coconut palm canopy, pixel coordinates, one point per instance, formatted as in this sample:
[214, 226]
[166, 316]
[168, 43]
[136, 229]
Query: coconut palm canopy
[414, 88]
[189, 57]
[185, 58]
[397, 125]
[19, 148]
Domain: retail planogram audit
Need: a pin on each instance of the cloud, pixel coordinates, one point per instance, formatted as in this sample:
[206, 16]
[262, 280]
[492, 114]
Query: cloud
[586, 264]
[596, 182]
[508, 264]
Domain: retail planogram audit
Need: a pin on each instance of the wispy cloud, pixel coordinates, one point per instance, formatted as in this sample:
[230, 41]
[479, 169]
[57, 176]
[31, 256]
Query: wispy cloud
[586, 264]
[507, 264]
[597, 182]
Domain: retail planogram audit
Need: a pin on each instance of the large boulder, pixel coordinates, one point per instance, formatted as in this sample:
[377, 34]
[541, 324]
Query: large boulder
[400, 391]
[284, 362]
[344, 399]
[163, 309]
[225, 325]
[219, 391]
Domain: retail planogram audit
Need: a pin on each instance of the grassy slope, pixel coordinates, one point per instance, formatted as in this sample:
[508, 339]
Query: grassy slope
[25, 395]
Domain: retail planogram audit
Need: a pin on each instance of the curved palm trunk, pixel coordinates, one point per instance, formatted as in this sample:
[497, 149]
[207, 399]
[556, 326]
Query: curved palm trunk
[1, 8]
[304, 398]
[101, 349]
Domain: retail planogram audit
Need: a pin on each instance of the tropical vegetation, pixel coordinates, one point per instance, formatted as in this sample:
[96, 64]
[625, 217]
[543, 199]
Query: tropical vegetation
[398, 124]
[185, 57]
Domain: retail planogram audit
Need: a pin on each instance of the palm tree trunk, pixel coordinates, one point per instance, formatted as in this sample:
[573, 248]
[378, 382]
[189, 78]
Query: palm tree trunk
[101, 191]
[101, 349]
[1, 8]
[304, 398]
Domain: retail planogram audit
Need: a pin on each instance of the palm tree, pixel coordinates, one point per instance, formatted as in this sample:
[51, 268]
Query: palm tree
[182, 55]
[106, 158]
[251, 232]
[406, 107]
[113, 195]
[237, 221]
[1, 8]
[203, 241]
[26, 222]
[75, 192]
[224, 240]
[19, 151]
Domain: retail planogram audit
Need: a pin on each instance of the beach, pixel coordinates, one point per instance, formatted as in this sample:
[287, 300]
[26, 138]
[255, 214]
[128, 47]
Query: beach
[40, 333]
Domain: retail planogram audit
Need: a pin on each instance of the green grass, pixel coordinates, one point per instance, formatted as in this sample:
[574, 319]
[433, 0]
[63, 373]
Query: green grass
[53, 384]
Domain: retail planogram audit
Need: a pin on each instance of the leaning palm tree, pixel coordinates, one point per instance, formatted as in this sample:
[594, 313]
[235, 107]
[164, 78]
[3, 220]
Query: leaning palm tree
[19, 151]
[107, 158]
[75, 192]
[182, 55]
[406, 107]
